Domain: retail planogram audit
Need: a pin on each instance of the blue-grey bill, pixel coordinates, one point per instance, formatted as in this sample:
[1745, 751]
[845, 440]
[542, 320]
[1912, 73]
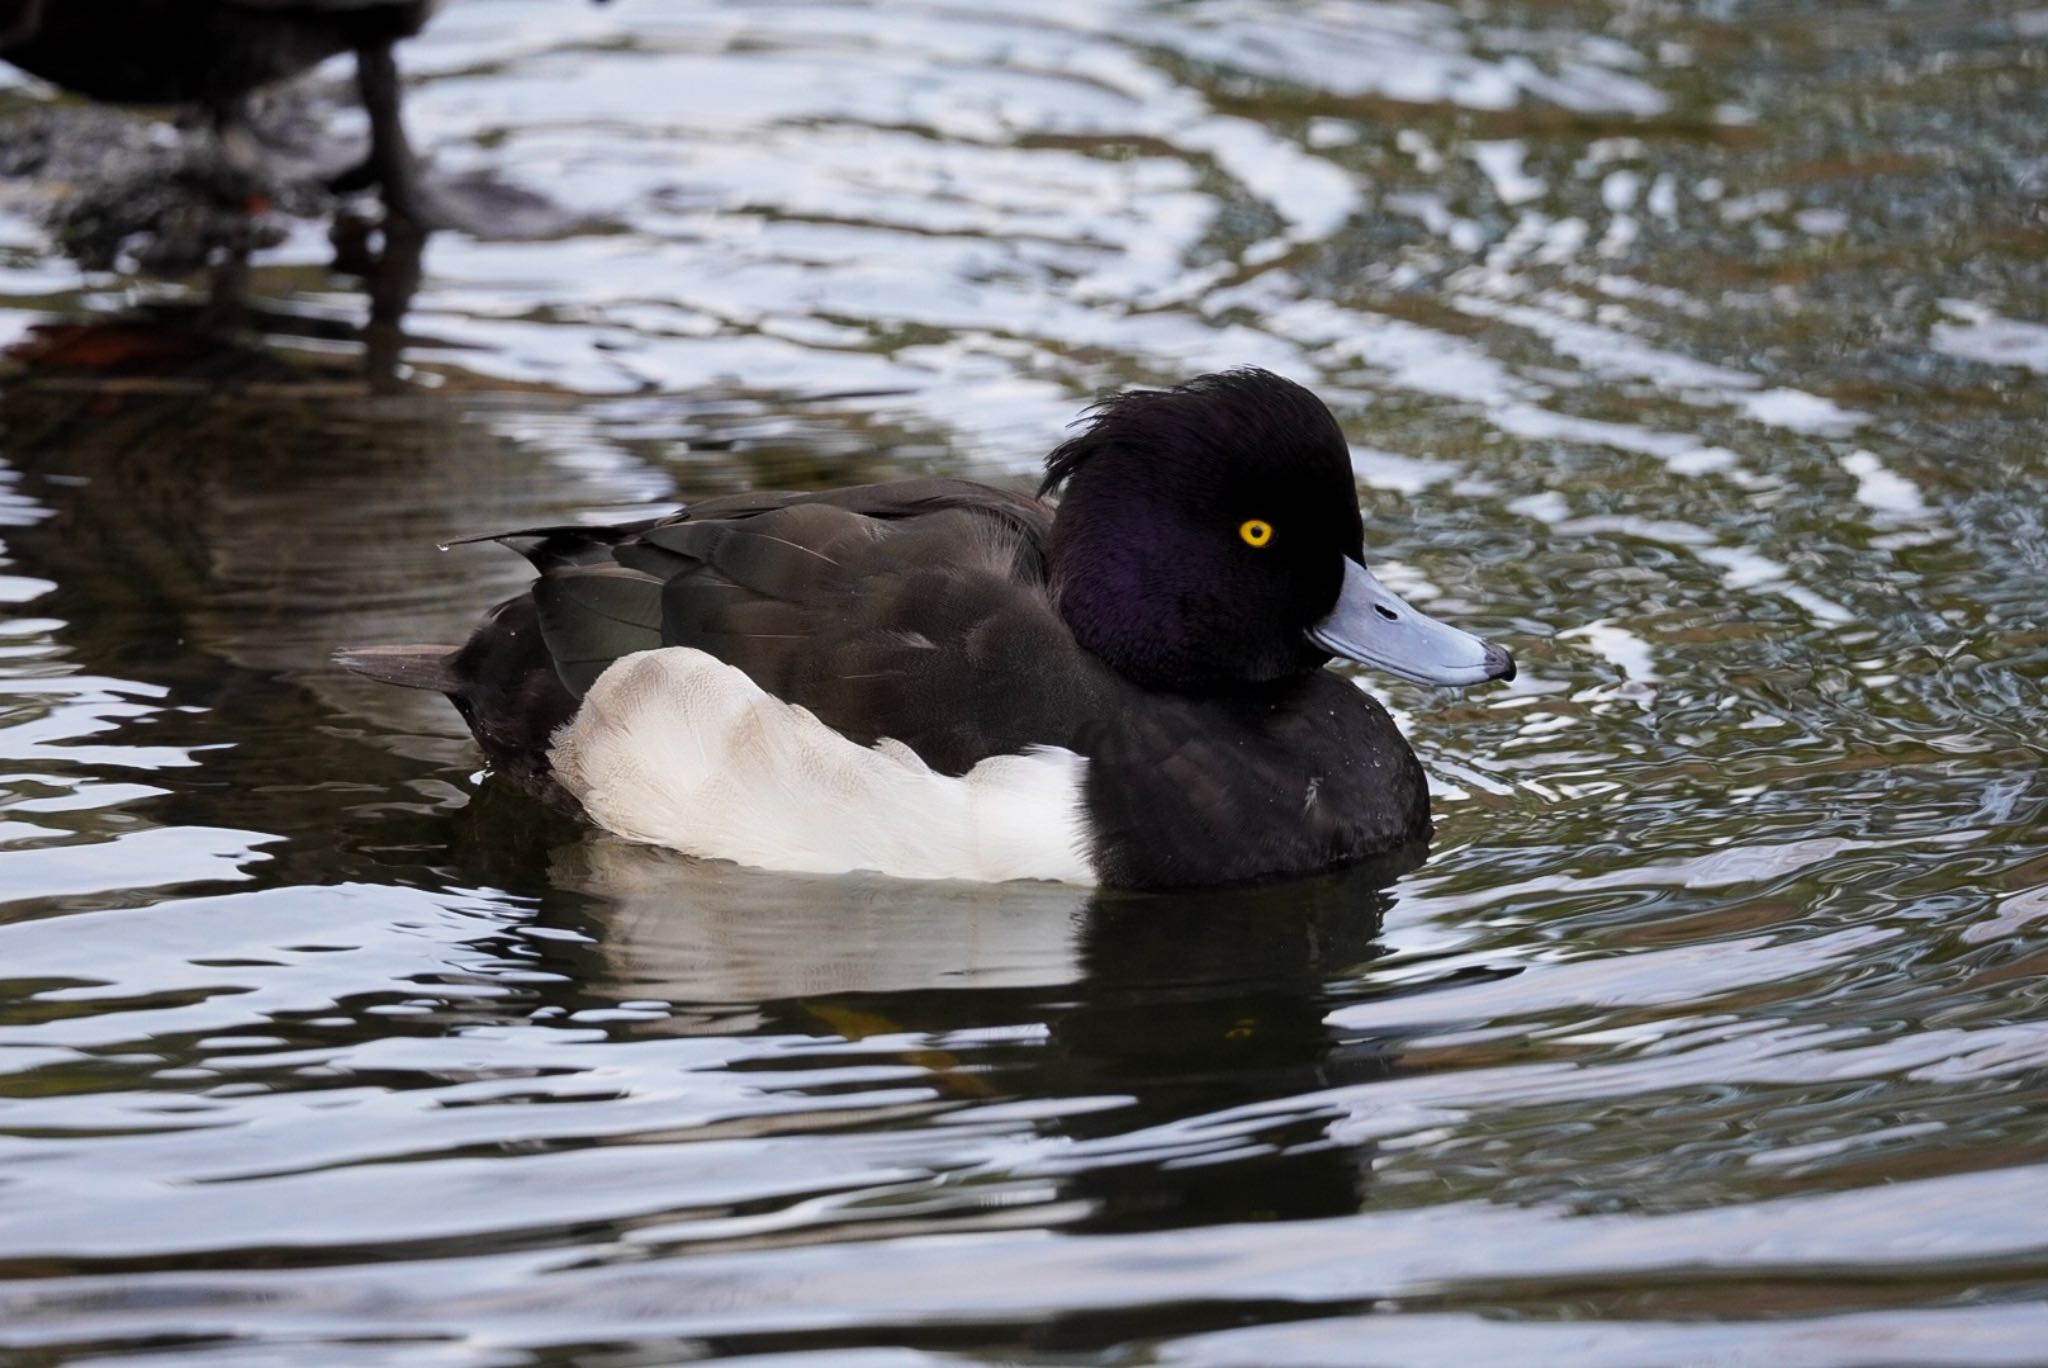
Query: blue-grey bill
[1375, 626]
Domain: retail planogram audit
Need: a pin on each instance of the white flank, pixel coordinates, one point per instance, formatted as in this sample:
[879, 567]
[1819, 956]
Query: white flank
[675, 748]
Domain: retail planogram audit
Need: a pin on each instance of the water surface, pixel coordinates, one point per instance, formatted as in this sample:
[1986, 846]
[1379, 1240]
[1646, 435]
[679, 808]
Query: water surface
[1697, 352]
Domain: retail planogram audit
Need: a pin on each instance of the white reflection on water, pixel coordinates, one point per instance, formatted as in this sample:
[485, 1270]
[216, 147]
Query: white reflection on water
[1443, 1249]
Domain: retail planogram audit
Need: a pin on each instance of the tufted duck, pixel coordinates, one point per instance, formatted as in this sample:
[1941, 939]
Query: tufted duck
[946, 680]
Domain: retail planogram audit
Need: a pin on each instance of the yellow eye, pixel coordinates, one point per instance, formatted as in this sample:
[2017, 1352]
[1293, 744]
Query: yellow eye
[1255, 531]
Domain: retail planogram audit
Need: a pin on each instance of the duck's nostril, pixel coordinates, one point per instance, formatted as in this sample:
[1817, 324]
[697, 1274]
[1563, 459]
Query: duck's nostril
[1386, 612]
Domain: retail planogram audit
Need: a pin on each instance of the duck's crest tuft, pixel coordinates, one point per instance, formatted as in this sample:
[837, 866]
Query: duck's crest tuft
[1207, 407]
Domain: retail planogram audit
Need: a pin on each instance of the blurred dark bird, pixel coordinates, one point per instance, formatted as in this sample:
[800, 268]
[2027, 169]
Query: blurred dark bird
[214, 54]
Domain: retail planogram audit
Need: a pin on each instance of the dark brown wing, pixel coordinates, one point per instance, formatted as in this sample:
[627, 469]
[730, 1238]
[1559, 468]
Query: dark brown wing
[917, 611]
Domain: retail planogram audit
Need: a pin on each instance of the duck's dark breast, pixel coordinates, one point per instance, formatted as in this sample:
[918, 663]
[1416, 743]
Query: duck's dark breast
[1302, 776]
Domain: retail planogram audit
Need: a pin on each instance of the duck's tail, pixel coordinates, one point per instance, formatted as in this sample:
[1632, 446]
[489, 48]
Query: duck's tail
[409, 667]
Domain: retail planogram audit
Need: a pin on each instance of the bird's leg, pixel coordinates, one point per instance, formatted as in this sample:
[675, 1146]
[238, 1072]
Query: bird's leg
[391, 163]
[235, 173]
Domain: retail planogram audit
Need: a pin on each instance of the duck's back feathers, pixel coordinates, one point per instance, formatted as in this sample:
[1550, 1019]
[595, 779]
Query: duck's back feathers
[916, 611]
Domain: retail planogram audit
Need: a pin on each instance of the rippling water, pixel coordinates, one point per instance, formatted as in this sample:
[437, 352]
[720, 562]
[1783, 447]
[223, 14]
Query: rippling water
[1699, 352]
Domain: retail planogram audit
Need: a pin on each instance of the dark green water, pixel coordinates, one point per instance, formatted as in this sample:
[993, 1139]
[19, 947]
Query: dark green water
[1697, 352]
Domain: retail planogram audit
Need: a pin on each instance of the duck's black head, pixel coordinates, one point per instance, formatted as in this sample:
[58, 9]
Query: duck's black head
[1208, 537]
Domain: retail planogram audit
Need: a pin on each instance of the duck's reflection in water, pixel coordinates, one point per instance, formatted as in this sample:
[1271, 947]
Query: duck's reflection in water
[213, 515]
[250, 500]
[226, 338]
[389, 260]
[1122, 1019]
